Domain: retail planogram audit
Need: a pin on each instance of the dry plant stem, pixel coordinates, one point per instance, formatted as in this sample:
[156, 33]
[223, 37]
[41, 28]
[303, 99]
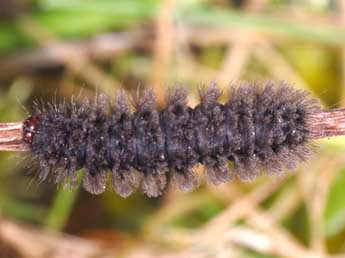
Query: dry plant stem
[327, 124]
[29, 242]
[276, 63]
[11, 137]
[74, 61]
[163, 48]
[236, 58]
[101, 47]
[321, 125]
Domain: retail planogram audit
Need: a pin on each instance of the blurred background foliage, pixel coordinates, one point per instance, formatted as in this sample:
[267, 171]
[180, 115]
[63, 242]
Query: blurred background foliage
[60, 48]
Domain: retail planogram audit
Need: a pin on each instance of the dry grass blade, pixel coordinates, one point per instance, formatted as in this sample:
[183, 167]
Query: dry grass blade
[31, 242]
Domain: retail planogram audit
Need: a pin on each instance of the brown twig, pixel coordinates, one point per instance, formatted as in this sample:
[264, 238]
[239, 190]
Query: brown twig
[322, 125]
[11, 137]
[327, 124]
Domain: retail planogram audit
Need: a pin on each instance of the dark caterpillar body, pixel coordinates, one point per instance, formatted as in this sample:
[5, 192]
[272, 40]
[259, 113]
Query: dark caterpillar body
[259, 128]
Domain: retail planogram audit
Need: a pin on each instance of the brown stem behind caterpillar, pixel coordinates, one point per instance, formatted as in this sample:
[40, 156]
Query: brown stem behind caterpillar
[327, 124]
[11, 137]
[320, 125]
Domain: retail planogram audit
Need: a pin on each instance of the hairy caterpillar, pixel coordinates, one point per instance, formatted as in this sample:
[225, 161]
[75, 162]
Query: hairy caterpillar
[260, 128]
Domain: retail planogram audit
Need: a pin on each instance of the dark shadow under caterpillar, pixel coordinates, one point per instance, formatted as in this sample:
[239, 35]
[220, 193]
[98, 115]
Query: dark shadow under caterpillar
[259, 128]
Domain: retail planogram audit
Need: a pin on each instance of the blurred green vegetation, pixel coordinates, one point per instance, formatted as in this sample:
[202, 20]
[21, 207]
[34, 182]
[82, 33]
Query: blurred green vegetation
[314, 52]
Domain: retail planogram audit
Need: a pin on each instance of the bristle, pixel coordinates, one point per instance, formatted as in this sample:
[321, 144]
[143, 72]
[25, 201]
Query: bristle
[125, 182]
[186, 181]
[258, 129]
[95, 183]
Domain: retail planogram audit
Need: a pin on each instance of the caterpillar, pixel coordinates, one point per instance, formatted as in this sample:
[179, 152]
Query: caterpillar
[260, 128]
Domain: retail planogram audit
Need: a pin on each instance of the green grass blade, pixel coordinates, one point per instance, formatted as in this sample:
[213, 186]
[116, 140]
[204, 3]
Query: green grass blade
[62, 206]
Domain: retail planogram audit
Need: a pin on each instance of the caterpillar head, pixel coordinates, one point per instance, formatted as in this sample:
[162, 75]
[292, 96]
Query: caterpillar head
[29, 127]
